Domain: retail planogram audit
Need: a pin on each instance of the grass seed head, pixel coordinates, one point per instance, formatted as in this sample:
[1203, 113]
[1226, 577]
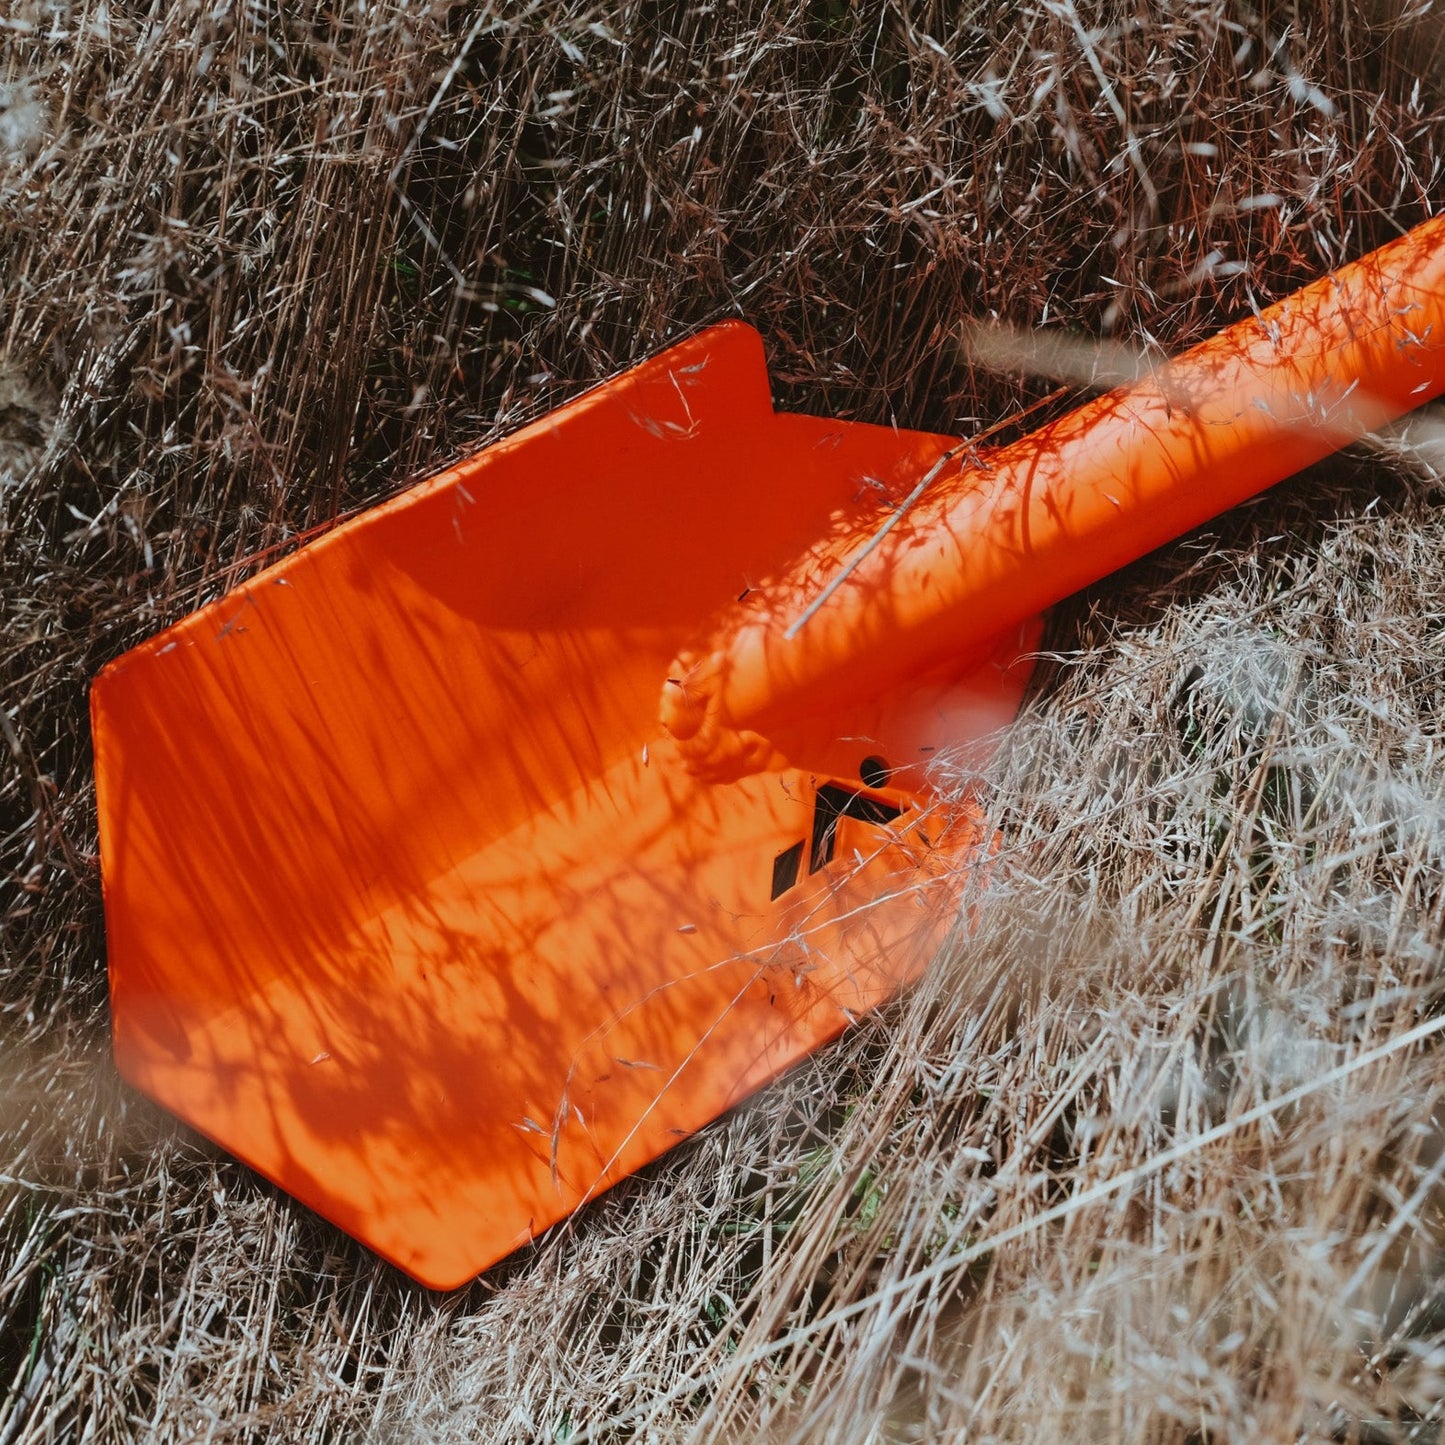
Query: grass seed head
[260, 266]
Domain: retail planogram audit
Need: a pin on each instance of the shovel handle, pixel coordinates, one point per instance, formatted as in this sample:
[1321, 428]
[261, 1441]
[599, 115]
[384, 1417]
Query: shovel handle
[1002, 535]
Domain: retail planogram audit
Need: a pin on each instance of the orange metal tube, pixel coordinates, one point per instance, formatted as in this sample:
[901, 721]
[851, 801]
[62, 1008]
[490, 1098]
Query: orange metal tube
[1008, 533]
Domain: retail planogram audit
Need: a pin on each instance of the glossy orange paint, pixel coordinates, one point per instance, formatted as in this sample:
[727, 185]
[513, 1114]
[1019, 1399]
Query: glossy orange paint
[416, 902]
[409, 901]
[1003, 535]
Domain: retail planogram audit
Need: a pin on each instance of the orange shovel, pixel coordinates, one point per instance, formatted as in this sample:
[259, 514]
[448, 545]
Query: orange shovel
[467, 859]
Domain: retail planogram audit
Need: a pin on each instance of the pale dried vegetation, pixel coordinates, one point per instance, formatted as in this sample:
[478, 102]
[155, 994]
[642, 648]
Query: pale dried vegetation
[1154, 1151]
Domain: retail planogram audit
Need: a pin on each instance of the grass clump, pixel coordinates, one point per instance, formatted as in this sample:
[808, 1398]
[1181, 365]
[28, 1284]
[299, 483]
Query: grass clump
[1154, 1153]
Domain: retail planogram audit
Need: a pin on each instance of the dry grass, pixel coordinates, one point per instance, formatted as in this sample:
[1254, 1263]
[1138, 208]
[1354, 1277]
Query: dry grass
[1154, 1152]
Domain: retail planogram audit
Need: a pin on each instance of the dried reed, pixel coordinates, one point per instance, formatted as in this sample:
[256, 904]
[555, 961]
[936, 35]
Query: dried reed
[1154, 1153]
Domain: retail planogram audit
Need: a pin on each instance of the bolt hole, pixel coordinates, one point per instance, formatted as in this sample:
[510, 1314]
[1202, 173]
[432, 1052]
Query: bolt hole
[874, 772]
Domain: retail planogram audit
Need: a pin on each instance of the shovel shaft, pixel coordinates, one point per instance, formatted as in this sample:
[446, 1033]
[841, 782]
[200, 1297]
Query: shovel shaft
[1000, 536]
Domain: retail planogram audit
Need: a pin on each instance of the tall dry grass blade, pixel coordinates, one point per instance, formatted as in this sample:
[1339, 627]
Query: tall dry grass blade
[261, 265]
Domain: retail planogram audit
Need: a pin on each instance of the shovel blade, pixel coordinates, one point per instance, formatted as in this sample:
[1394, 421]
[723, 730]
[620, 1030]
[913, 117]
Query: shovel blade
[410, 902]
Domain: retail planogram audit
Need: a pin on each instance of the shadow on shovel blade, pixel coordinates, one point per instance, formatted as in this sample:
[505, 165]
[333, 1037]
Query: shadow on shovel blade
[410, 902]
